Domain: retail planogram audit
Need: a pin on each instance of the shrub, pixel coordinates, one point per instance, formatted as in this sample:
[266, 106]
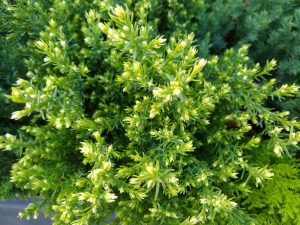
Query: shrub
[6, 159]
[124, 122]
[277, 202]
[10, 68]
[272, 27]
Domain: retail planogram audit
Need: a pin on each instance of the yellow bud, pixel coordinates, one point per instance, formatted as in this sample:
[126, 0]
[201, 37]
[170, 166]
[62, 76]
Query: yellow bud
[41, 44]
[119, 11]
[198, 67]
[52, 23]
[103, 27]
[278, 150]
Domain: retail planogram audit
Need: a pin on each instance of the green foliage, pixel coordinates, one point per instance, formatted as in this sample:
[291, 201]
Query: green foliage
[272, 27]
[10, 68]
[277, 202]
[118, 120]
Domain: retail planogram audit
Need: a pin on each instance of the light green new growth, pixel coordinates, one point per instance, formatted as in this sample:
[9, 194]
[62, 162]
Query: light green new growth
[125, 121]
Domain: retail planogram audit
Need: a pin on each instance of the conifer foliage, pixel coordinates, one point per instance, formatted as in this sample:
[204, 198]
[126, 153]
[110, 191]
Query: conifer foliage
[119, 120]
